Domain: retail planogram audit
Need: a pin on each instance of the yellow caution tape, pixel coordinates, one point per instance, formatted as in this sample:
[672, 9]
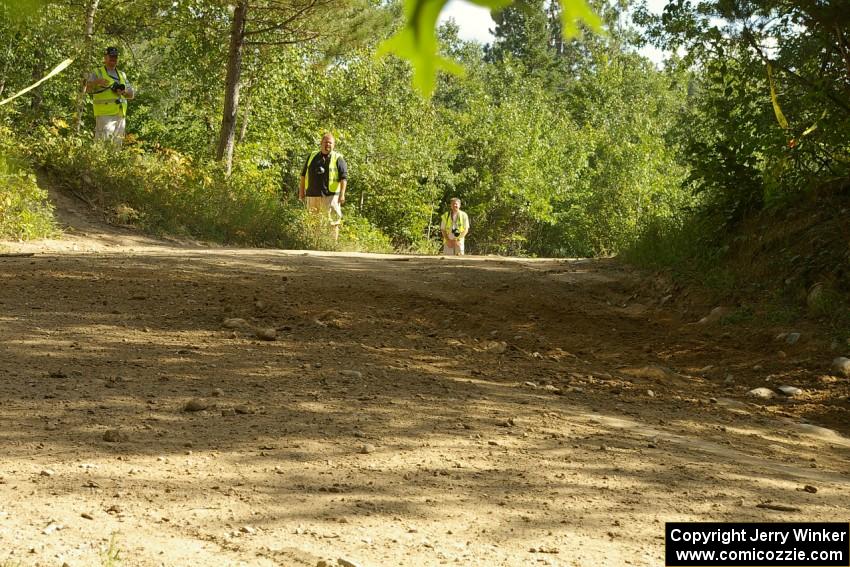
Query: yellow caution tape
[776, 109]
[56, 70]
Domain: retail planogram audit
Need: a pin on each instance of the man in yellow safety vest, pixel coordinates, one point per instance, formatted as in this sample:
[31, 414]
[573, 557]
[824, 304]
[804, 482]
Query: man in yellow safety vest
[324, 178]
[454, 225]
[110, 92]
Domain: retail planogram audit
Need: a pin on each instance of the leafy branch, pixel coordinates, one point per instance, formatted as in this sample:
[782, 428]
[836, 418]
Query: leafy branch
[417, 40]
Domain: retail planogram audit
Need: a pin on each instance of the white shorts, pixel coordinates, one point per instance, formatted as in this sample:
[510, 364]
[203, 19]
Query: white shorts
[110, 128]
[454, 250]
[329, 204]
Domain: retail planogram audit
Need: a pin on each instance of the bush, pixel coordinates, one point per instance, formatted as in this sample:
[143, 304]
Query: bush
[358, 235]
[168, 193]
[25, 212]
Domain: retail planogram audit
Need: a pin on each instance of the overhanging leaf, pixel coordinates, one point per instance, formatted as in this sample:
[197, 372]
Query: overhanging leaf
[417, 40]
[493, 4]
[574, 12]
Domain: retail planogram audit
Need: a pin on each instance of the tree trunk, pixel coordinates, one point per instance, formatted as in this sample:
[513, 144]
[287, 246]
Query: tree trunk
[246, 116]
[87, 47]
[556, 38]
[231, 88]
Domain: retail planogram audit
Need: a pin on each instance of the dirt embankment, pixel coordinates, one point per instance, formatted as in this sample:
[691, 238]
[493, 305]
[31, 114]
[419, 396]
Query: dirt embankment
[408, 411]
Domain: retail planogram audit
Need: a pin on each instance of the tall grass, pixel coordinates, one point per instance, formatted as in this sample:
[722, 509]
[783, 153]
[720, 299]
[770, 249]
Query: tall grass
[168, 193]
[689, 248]
[783, 264]
[25, 211]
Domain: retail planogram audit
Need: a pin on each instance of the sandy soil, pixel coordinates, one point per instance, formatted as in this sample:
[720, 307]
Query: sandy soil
[409, 411]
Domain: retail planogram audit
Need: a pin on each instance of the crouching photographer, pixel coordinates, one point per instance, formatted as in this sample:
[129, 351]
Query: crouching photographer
[454, 226]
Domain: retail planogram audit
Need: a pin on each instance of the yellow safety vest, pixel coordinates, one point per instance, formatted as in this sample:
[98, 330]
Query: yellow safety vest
[333, 173]
[461, 221]
[106, 102]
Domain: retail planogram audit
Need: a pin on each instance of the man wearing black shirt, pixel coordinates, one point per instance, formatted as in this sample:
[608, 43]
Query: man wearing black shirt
[324, 178]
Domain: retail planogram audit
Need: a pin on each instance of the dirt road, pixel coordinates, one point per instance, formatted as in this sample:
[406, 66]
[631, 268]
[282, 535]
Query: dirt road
[409, 411]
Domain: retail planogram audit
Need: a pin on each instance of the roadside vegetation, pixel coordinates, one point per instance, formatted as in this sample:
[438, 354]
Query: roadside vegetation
[554, 151]
[765, 135]
[25, 212]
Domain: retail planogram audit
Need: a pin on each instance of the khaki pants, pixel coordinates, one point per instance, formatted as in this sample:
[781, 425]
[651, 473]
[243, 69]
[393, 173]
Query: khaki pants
[456, 250]
[329, 205]
[110, 128]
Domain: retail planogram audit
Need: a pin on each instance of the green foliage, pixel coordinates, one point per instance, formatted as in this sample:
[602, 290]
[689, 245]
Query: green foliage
[359, 235]
[55, 71]
[664, 243]
[397, 152]
[765, 124]
[400, 158]
[684, 244]
[25, 212]
[631, 178]
[750, 140]
[180, 108]
[33, 45]
[511, 156]
[166, 192]
[21, 9]
[523, 31]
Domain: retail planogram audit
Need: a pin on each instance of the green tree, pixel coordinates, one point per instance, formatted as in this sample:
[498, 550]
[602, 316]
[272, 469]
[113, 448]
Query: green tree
[270, 23]
[523, 31]
[768, 108]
